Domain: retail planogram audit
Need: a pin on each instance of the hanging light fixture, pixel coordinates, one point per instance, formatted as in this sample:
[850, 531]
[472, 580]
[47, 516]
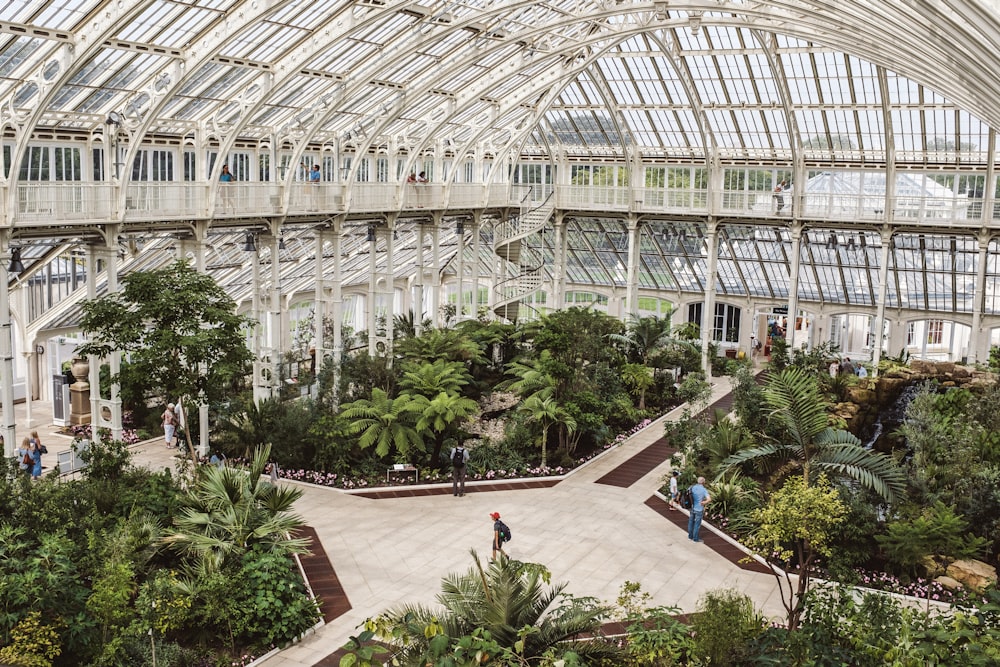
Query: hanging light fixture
[248, 244]
[459, 228]
[281, 243]
[16, 265]
[831, 243]
[371, 234]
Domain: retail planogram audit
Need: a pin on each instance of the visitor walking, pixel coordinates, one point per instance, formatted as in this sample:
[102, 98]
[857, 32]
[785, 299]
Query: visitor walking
[700, 497]
[35, 452]
[169, 425]
[675, 493]
[500, 534]
[24, 460]
[459, 459]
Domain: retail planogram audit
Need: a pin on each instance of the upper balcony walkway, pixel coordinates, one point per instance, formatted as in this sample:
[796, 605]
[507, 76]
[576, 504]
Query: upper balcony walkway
[40, 205]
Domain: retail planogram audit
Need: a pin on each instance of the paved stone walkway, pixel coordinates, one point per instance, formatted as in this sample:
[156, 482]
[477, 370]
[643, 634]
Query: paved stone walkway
[392, 550]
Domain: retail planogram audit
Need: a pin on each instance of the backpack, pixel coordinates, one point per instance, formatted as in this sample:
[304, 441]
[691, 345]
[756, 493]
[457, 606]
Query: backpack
[687, 498]
[504, 530]
[458, 458]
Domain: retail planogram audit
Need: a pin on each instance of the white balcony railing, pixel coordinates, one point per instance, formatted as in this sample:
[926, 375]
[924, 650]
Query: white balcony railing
[58, 203]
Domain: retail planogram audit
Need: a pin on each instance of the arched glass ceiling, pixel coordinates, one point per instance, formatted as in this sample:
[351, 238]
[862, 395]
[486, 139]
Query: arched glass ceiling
[740, 79]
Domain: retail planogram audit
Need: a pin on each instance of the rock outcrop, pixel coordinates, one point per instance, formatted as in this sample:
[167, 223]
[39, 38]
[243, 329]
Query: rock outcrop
[973, 574]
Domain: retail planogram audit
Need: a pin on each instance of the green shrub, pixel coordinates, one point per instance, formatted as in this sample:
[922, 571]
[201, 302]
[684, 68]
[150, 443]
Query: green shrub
[724, 626]
[936, 531]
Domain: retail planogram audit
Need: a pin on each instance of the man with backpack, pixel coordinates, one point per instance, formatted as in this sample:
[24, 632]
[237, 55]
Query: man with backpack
[459, 458]
[501, 534]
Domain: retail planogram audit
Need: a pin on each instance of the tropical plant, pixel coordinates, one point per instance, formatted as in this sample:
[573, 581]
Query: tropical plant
[529, 378]
[639, 378]
[805, 439]
[441, 415]
[386, 423]
[508, 600]
[228, 510]
[546, 412]
[430, 379]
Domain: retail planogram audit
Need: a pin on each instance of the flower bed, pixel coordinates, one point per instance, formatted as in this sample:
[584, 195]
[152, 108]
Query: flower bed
[436, 476]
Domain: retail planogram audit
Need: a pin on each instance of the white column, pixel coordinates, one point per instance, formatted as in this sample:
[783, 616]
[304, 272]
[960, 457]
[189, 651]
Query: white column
[7, 355]
[274, 329]
[793, 283]
[460, 271]
[389, 294]
[372, 309]
[560, 251]
[418, 283]
[632, 279]
[878, 326]
[338, 308]
[260, 391]
[436, 268]
[978, 352]
[201, 230]
[94, 376]
[320, 299]
[477, 218]
[115, 360]
[708, 312]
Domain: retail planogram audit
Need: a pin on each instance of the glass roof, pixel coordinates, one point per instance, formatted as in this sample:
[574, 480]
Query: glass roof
[759, 79]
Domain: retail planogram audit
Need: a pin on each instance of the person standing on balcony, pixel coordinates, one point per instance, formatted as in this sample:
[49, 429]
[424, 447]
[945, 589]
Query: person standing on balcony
[225, 182]
[315, 176]
[779, 195]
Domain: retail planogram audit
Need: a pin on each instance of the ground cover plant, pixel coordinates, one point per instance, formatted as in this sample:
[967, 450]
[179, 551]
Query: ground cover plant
[123, 562]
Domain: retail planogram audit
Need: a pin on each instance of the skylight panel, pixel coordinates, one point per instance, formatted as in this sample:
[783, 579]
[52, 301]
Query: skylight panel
[801, 78]
[264, 41]
[59, 15]
[17, 52]
[864, 77]
[710, 88]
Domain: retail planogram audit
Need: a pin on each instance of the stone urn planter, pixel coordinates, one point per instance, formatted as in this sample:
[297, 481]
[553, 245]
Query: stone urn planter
[80, 368]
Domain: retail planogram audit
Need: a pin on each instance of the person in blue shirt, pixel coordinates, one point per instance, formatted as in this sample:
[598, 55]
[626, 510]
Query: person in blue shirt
[701, 498]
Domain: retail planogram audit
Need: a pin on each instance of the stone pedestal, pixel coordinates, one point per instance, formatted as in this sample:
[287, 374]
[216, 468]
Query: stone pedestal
[79, 393]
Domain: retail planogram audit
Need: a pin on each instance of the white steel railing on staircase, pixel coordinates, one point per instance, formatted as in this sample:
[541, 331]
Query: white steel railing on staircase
[508, 244]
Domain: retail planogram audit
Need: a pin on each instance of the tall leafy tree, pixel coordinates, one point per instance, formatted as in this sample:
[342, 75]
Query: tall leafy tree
[805, 439]
[178, 329]
[798, 525]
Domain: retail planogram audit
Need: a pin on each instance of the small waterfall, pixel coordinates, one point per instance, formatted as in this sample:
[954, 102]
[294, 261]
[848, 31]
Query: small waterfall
[890, 419]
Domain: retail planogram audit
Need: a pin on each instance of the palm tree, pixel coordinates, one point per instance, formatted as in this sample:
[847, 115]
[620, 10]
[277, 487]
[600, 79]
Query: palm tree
[639, 378]
[647, 338]
[430, 379]
[546, 412]
[229, 510]
[385, 422]
[441, 414]
[799, 416]
[508, 599]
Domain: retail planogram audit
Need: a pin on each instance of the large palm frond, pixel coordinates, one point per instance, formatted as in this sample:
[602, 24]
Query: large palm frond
[796, 405]
[873, 470]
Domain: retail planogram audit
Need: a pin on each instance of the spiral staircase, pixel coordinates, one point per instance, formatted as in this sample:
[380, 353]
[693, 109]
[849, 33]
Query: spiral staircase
[509, 244]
